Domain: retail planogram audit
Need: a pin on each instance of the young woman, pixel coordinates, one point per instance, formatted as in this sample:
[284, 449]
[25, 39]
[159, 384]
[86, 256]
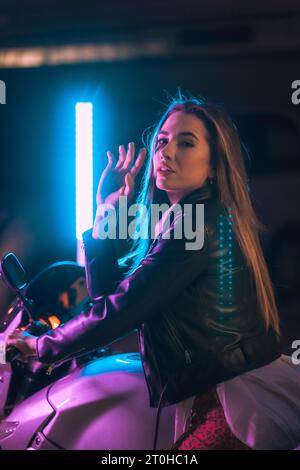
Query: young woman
[206, 315]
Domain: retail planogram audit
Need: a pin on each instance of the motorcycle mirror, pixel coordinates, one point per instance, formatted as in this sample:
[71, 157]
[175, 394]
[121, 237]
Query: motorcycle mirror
[12, 272]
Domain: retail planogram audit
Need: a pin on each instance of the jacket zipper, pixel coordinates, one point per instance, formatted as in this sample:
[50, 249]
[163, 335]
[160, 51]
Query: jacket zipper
[187, 352]
[56, 364]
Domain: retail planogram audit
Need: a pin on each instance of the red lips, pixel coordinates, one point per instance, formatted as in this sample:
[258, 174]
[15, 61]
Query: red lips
[164, 167]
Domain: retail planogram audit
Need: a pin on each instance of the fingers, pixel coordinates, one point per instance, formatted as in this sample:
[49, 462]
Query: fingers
[110, 158]
[14, 337]
[126, 159]
[123, 167]
[122, 157]
[23, 341]
[139, 162]
[13, 341]
[129, 156]
[129, 185]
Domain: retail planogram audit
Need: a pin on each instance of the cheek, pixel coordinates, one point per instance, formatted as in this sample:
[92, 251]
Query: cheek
[155, 162]
[194, 167]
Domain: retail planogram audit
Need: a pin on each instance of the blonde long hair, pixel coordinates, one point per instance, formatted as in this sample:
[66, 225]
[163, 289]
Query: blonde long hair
[231, 181]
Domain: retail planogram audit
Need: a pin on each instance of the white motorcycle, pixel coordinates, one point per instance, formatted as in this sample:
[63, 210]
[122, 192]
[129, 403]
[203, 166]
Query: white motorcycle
[98, 401]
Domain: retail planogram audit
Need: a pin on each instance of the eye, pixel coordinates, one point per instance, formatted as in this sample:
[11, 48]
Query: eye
[183, 143]
[186, 144]
[160, 142]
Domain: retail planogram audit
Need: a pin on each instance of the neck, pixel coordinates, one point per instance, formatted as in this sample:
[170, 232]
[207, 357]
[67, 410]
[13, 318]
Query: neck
[175, 196]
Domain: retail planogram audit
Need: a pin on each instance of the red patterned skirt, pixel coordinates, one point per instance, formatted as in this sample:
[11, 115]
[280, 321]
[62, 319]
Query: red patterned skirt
[208, 429]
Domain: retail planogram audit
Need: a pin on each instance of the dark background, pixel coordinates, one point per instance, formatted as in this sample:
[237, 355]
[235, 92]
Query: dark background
[244, 55]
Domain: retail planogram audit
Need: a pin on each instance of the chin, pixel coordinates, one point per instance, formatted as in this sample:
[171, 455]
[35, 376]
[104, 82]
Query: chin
[164, 186]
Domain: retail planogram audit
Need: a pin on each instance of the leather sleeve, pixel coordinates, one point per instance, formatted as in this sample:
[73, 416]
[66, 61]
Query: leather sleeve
[161, 276]
[101, 264]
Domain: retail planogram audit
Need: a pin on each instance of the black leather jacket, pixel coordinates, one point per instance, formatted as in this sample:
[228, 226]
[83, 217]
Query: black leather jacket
[195, 310]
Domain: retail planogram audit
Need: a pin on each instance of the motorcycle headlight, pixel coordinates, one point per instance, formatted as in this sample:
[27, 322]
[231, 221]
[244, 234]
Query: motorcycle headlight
[7, 428]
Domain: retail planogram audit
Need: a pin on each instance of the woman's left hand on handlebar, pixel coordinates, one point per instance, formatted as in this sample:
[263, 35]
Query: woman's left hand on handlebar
[24, 342]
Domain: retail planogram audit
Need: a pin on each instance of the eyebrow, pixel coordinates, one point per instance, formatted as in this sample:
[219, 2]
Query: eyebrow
[180, 133]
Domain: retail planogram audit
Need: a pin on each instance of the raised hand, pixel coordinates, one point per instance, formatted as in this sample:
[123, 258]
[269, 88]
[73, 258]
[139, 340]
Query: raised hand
[118, 177]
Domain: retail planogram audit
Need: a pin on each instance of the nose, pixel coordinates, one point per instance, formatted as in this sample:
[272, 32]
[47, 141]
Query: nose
[166, 153]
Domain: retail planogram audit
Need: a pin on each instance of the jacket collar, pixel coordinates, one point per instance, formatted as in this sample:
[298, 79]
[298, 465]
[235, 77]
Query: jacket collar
[199, 194]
